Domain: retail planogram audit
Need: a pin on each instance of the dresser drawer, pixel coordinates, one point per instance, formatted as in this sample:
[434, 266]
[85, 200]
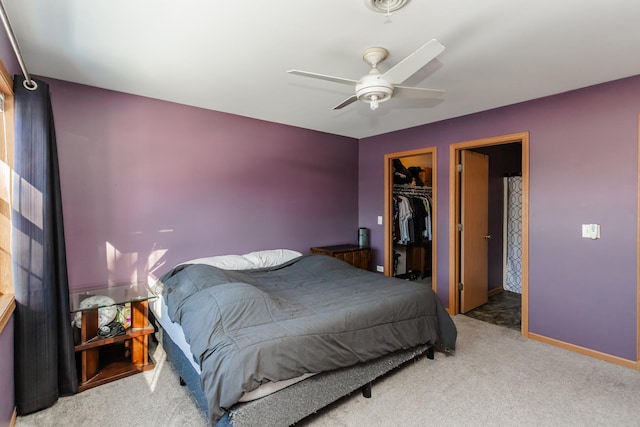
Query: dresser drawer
[353, 254]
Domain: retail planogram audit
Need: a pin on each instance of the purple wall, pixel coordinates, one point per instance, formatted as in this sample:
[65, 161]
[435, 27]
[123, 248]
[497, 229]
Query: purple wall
[583, 169]
[147, 184]
[7, 399]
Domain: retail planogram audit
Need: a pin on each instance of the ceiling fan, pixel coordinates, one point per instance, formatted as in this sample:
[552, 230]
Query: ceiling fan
[375, 87]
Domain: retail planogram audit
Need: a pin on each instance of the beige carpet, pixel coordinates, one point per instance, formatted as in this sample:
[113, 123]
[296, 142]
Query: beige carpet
[496, 378]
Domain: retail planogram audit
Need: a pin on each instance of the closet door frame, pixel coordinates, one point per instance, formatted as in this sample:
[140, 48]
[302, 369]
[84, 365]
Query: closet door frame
[388, 209]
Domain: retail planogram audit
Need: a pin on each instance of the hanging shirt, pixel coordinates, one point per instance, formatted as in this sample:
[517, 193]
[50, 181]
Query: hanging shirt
[404, 215]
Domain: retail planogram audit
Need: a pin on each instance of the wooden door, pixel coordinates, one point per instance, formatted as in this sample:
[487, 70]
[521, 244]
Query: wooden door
[474, 238]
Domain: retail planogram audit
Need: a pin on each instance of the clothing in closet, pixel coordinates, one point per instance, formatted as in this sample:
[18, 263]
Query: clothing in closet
[412, 219]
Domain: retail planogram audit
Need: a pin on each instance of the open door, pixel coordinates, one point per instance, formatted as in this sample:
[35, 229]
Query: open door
[477, 243]
[474, 238]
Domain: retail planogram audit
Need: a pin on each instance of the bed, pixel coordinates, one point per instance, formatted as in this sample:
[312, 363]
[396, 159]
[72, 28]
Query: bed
[233, 325]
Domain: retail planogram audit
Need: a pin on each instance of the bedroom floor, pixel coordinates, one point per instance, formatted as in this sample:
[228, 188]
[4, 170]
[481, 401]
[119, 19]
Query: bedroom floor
[503, 309]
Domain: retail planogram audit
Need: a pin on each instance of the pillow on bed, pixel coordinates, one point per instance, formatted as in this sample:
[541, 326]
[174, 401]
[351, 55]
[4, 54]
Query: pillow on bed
[226, 262]
[271, 257]
[257, 259]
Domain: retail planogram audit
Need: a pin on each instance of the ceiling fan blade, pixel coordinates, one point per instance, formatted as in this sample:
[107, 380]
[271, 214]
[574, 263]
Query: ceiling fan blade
[416, 92]
[349, 100]
[412, 63]
[323, 77]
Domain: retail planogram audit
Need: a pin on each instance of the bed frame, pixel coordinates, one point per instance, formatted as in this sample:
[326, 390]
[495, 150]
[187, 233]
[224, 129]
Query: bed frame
[293, 403]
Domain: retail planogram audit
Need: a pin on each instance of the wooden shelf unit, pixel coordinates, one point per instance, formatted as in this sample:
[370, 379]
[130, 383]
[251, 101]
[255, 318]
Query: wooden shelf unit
[102, 360]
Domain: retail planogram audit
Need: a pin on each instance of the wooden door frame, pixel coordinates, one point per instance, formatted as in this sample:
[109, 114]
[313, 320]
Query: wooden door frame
[638, 260]
[454, 218]
[388, 209]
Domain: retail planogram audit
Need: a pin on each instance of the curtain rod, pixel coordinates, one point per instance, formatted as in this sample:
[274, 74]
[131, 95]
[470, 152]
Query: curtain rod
[28, 83]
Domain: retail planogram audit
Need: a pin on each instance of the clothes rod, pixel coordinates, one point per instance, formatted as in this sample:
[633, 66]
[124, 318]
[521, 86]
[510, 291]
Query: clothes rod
[411, 190]
[401, 187]
[28, 83]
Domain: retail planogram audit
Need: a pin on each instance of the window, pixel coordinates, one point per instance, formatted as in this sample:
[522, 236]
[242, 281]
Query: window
[7, 303]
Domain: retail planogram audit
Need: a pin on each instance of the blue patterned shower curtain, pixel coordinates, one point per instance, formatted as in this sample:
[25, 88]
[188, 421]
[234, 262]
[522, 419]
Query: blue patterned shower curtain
[513, 236]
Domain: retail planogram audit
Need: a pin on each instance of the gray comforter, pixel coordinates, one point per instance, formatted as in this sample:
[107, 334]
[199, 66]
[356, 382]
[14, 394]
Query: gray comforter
[313, 314]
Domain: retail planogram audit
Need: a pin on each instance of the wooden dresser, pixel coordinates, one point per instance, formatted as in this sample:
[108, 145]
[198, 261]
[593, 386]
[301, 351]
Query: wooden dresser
[353, 254]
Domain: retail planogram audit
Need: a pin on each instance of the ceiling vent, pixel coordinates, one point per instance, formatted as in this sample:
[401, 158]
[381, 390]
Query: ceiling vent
[385, 6]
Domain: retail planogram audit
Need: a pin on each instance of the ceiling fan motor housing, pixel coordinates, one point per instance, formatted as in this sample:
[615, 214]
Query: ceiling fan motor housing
[372, 85]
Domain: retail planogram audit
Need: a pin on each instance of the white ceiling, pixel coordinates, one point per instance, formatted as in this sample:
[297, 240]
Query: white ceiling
[233, 56]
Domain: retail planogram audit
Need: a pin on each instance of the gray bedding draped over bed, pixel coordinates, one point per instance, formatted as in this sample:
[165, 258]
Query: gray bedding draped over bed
[310, 315]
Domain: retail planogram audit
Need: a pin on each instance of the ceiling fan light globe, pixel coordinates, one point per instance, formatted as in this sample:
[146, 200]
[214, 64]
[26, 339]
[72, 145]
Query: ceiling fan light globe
[379, 96]
[381, 93]
[372, 86]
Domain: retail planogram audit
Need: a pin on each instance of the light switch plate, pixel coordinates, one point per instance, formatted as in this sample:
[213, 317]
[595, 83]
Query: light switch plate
[591, 231]
[379, 219]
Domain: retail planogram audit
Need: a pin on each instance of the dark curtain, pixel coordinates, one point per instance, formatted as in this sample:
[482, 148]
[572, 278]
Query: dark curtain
[44, 355]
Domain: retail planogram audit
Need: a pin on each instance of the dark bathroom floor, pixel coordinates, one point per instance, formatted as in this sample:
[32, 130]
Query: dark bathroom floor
[503, 309]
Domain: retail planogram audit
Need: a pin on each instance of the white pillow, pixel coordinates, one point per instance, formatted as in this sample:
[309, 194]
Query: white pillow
[271, 257]
[225, 262]
[257, 259]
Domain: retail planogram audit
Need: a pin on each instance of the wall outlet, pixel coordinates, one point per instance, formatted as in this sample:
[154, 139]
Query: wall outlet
[380, 268]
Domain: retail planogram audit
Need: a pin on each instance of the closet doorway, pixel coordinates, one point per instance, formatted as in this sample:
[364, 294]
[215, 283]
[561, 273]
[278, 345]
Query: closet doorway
[411, 256]
[477, 268]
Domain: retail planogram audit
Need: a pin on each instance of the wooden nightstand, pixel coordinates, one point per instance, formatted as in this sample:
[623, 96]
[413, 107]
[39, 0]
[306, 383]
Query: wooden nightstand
[353, 254]
[101, 360]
